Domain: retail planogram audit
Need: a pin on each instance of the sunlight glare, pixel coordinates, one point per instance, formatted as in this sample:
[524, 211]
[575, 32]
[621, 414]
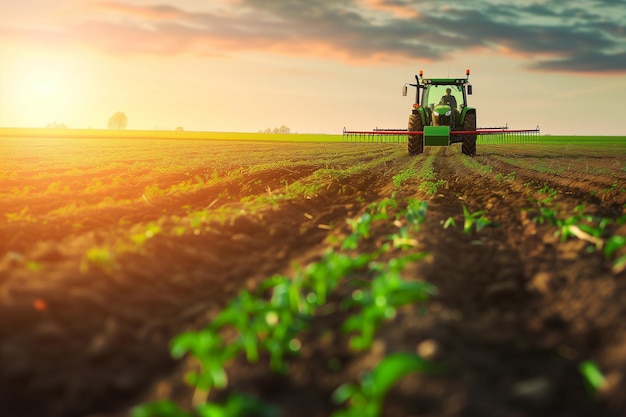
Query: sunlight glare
[44, 88]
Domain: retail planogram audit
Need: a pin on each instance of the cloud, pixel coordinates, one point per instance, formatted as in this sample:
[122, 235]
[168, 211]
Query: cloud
[578, 36]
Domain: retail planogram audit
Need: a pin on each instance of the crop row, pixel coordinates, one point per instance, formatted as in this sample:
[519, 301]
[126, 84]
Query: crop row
[603, 233]
[271, 319]
[198, 222]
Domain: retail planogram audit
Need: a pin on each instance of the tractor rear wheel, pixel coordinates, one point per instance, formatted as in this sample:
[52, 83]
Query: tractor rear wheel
[469, 141]
[416, 142]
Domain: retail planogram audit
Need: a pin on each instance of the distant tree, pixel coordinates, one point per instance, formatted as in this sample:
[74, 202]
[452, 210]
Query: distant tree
[282, 129]
[55, 125]
[118, 121]
[179, 129]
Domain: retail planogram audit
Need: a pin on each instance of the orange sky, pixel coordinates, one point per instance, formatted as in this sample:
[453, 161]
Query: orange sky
[315, 66]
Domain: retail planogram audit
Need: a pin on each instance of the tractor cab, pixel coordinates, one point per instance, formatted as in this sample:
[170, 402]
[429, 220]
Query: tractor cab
[444, 102]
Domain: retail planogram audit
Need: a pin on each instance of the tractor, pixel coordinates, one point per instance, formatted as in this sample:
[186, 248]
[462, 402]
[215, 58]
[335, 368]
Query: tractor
[441, 115]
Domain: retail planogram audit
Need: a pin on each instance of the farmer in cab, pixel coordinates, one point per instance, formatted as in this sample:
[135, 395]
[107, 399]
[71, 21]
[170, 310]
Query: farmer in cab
[449, 99]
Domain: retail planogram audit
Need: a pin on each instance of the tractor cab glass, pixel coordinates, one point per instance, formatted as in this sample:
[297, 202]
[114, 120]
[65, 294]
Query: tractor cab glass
[445, 103]
[449, 95]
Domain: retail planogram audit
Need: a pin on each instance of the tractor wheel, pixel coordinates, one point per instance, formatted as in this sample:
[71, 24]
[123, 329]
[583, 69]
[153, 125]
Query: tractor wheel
[469, 141]
[416, 142]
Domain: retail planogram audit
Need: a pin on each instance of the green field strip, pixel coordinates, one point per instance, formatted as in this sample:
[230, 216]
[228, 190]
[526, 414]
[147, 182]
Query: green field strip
[166, 134]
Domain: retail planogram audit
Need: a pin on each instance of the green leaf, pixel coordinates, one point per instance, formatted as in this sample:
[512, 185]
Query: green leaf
[620, 264]
[481, 223]
[392, 368]
[613, 244]
[449, 223]
[192, 342]
[593, 375]
[398, 264]
[344, 393]
[238, 405]
[411, 292]
[164, 408]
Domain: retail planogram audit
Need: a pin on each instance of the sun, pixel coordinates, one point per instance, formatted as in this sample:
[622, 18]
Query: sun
[45, 84]
[43, 88]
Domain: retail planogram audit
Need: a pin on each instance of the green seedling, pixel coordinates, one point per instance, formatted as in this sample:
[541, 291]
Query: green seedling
[580, 225]
[403, 176]
[550, 192]
[164, 408]
[387, 291]
[361, 228]
[474, 220]
[211, 352]
[416, 211]
[402, 239]
[546, 215]
[150, 231]
[271, 325]
[324, 276]
[593, 375]
[23, 216]
[614, 244]
[101, 258]
[236, 405]
[379, 210]
[366, 399]
[33, 266]
[450, 222]
[508, 177]
[430, 187]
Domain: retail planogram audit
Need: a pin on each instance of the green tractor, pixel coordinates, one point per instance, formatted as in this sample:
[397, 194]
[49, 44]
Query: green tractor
[441, 115]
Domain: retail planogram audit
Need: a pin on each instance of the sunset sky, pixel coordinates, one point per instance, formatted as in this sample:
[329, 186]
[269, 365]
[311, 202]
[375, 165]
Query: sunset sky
[316, 66]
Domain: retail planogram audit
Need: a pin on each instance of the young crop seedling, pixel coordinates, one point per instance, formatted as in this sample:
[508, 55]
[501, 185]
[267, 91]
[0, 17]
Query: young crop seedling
[416, 212]
[366, 398]
[450, 222]
[589, 228]
[379, 301]
[237, 405]
[475, 220]
[508, 177]
[614, 244]
[403, 176]
[431, 187]
[594, 379]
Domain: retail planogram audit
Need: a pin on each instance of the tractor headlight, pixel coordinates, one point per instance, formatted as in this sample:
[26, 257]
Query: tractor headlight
[449, 112]
[435, 113]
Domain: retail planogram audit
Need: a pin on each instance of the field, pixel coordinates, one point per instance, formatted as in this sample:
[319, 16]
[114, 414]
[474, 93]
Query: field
[315, 277]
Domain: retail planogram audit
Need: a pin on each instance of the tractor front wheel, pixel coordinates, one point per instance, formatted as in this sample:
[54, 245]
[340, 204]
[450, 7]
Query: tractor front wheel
[416, 142]
[469, 141]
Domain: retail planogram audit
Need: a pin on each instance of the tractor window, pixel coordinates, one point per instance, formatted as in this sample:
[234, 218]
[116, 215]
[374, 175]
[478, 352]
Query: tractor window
[437, 94]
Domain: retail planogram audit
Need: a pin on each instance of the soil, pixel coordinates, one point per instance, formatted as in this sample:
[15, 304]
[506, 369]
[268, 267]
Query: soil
[516, 313]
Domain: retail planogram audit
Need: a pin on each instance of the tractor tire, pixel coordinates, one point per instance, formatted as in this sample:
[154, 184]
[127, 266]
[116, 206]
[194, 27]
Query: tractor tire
[469, 141]
[416, 142]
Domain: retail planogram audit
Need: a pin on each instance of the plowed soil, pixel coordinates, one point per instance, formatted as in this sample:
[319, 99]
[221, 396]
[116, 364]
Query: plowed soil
[516, 313]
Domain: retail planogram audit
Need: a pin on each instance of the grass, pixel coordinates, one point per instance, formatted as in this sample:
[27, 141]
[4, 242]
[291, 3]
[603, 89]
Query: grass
[165, 134]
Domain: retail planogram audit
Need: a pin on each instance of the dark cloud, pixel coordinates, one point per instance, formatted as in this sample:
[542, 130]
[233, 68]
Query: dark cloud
[576, 36]
[554, 36]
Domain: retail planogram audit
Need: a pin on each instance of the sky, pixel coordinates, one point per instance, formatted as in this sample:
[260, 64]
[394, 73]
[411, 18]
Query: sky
[316, 66]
